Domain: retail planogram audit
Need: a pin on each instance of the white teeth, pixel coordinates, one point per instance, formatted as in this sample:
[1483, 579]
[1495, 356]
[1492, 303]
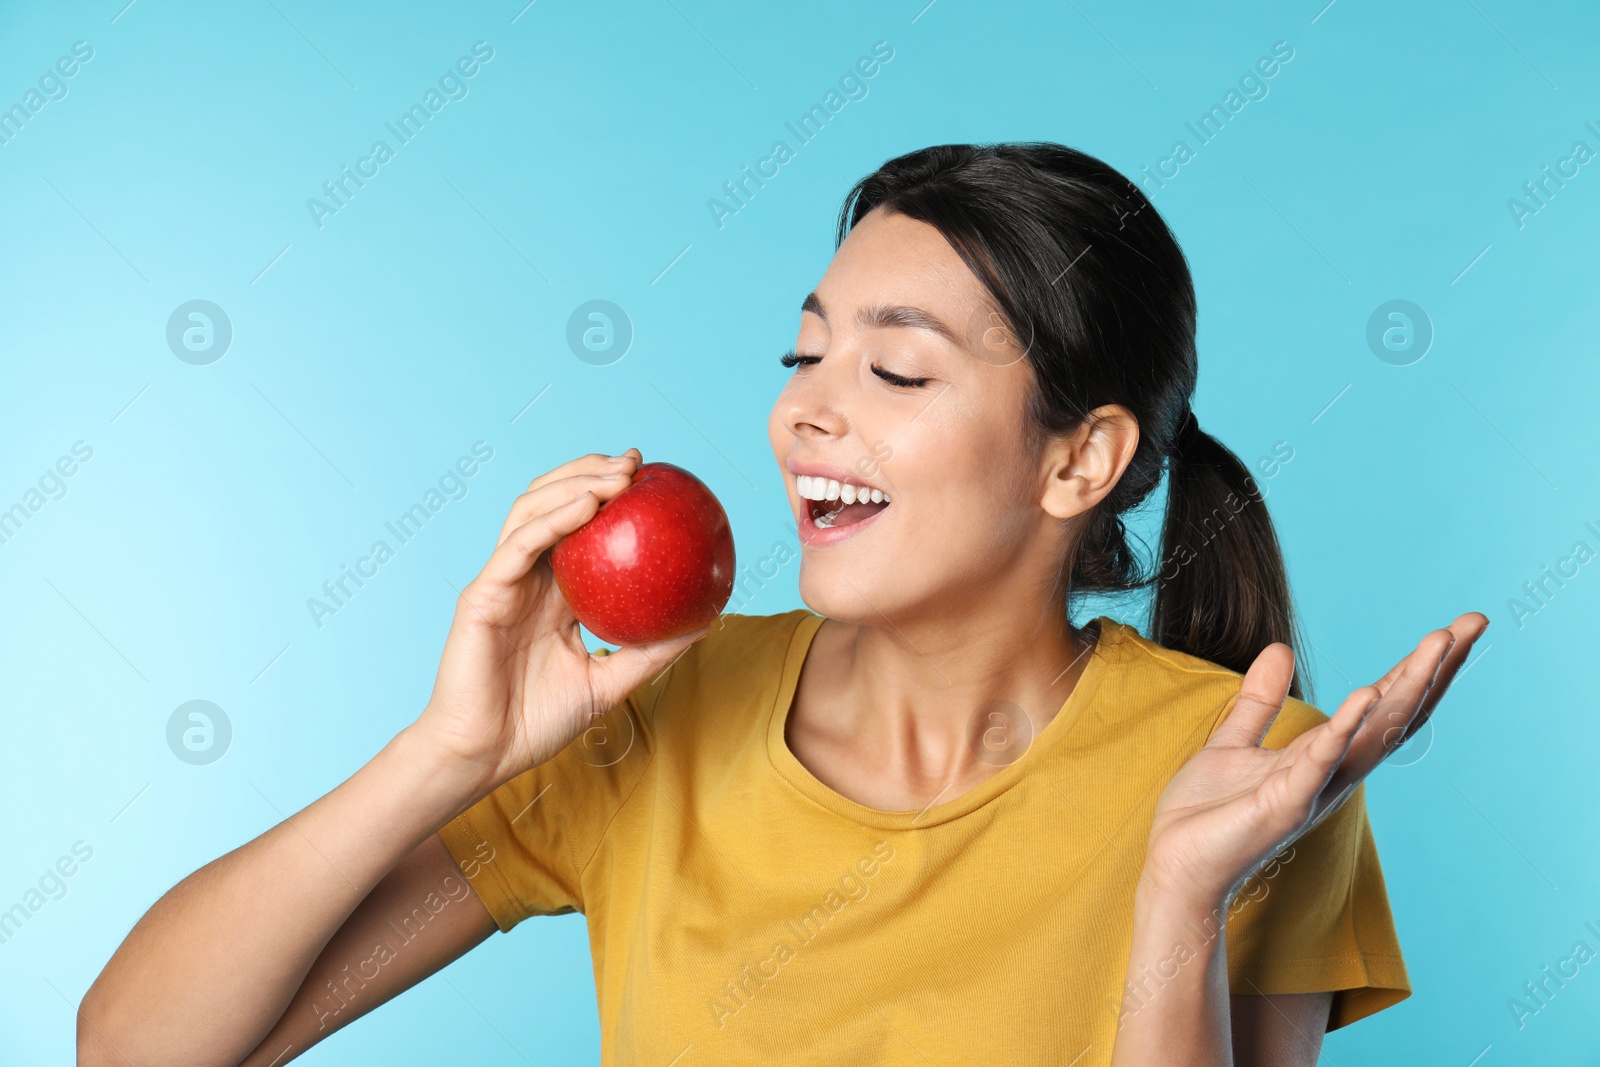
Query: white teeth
[814, 488]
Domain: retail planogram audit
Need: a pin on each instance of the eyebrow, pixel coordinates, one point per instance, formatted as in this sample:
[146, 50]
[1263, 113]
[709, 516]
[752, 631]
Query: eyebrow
[885, 315]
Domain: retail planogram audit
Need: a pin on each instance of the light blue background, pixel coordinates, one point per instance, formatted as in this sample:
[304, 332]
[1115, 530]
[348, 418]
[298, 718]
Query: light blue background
[426, 315]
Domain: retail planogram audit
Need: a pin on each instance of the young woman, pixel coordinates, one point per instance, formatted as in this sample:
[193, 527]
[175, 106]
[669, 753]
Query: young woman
[926, 821]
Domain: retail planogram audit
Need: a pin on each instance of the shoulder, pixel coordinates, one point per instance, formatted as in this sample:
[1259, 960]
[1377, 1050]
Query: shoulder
[742, 659]
[741, 646]
[743, 636]
[745, 656]
[1185, 690]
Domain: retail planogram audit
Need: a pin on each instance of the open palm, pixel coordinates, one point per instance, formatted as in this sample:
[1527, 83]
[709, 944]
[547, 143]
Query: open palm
[1234, 804]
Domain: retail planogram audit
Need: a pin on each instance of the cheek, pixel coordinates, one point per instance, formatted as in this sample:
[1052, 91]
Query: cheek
[777, 434]
[963, 483]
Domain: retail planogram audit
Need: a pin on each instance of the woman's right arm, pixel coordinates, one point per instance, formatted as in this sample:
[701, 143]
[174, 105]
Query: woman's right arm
[214, 965]
[235, 960]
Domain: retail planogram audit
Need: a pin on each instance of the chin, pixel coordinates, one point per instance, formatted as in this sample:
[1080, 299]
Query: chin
[854, 601]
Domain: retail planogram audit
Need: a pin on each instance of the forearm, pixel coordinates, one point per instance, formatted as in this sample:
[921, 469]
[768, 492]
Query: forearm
[209, 969]
[1175, 1004]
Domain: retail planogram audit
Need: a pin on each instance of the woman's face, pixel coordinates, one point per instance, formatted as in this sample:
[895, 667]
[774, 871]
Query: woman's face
[963, 526]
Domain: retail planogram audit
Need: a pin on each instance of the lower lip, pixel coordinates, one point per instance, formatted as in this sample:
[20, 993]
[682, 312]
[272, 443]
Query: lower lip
[810, 534]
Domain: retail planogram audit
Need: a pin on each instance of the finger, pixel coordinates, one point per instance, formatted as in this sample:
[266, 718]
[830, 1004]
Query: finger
[593, 463]
[1294, 793]
[1396, 714]
[621, 672]
[1359, 703]
[1393, 717]
[1261, 696]
[1327, 744]
[514, 557]
[1467, 629]
[1338, 786]
[552, 495]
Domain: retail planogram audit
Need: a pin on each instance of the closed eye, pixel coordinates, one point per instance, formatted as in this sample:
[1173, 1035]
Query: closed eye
[794, 359]
[895, 379]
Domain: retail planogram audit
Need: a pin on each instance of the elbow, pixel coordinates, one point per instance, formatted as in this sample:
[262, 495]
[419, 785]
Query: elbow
[96, 1046]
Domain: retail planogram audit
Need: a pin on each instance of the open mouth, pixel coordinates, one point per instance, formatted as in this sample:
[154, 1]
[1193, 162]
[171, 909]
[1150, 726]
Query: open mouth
[832, 503]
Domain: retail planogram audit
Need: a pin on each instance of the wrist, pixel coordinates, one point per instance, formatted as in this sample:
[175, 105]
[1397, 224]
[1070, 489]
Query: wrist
[1160, 897]
[1174, 1005]
[445, 783]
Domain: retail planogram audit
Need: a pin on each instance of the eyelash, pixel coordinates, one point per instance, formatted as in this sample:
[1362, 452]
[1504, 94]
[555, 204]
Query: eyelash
[794, 359]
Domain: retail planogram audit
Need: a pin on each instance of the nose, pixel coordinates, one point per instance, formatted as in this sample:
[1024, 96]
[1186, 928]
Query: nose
[812, 406]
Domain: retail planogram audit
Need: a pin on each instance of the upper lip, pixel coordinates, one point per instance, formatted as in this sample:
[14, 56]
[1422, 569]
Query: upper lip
[832, 473]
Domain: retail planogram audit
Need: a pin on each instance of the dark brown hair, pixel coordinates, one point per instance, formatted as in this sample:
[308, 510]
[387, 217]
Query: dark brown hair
[1086, 275]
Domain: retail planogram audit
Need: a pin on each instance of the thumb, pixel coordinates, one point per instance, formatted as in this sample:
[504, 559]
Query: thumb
[618, 673]
[1261, 697]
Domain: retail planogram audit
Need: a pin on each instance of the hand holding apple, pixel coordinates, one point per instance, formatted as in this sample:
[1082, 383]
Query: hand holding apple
[656, 562]
[516, 684]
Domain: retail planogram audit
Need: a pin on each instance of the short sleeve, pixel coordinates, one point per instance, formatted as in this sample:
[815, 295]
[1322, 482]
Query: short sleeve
[525, 845]
[1316, 918]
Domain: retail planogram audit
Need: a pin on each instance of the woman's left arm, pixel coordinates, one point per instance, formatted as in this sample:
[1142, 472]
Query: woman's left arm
[1227, 811]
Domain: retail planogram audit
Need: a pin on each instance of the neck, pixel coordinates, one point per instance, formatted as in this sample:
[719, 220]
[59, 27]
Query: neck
[955, 696]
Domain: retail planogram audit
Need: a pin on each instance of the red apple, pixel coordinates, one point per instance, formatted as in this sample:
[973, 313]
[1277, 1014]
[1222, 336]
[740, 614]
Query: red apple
[655, 562]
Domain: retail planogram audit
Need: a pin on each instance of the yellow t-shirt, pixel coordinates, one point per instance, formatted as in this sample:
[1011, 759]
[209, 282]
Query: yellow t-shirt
[742, 912]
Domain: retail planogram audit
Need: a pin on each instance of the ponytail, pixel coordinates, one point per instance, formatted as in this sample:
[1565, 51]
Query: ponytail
[1222, 591]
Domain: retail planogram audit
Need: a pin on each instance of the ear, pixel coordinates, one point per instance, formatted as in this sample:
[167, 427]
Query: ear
[1080, 468]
